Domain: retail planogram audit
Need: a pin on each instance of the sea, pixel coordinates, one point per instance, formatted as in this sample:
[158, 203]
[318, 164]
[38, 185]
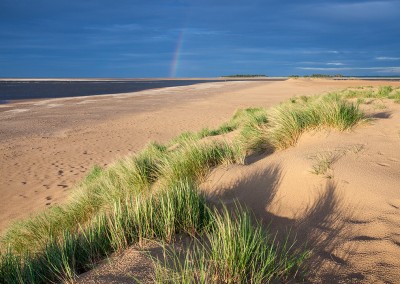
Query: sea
[30, 89]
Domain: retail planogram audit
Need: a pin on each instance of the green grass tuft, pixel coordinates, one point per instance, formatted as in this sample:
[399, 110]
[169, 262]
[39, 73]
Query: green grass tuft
[194, 159]
[188, 135]
[153, 195]
[323, 162]
[395, 96]
[287, 122]
[160, 215]
[235, 250]
[240, 118]
[93, 174]
[99, 189]
[384, 91]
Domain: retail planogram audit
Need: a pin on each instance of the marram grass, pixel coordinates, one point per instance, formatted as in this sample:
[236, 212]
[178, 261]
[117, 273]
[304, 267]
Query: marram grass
[160, 216]
[239, 118]
[153, 195]
[288, 121]
[251, 134]
[234, 250]
[193, 160]
[101, 188]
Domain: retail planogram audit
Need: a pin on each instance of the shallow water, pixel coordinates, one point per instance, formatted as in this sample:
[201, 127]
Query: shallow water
[11, 90]
[25, 90]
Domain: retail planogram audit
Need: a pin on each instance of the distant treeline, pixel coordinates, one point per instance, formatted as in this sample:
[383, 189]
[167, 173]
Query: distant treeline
[245, 75]
[318, 76]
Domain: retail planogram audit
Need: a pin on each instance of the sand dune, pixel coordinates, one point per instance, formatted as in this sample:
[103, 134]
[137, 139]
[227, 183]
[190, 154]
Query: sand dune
[349, 214]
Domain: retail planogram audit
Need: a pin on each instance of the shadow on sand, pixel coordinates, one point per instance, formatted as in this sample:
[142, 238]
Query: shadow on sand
[320, 227]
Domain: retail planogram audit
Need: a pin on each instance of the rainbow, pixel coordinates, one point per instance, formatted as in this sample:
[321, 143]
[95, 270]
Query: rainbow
[175, 59]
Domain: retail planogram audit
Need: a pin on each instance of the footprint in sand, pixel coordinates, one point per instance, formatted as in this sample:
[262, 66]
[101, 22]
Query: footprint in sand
[383, 164]
[395, 204]
[333, 257]
[353, 221]
[365, 238]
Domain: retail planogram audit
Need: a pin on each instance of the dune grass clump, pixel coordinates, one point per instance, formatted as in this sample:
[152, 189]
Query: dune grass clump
[95, 193]
[251, 134]
[223, 129]
[388, 92]
[179, 208]
[252, 138]
[144, 167]
[124, 179]
[395, 96]
[323, 162]
[358, 93]
[384, 91]
[234, 250]
[243, 116]
[288, 121]
[194, 159]
[240, 118]
[184, 136]
[337, 113]
[153, 195]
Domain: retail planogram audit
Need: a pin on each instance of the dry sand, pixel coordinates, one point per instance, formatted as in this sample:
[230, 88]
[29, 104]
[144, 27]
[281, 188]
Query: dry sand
[349, 216]
[351, 219]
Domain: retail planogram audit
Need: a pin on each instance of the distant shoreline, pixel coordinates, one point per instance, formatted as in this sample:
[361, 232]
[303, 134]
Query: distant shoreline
[205, 79]
[21, 89]
[49, 88]
[145, 79]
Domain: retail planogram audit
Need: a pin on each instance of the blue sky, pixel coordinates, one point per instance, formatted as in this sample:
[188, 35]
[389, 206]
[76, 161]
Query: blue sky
[204, 38]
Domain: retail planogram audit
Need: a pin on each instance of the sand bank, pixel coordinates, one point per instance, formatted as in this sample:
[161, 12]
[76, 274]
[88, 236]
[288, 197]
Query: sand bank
[47, 146]
[348, 214]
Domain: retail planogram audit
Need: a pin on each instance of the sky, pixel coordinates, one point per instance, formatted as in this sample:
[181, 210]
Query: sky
[204, 38]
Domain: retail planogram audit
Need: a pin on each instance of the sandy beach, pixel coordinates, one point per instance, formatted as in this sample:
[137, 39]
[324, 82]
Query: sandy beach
[47, 146]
